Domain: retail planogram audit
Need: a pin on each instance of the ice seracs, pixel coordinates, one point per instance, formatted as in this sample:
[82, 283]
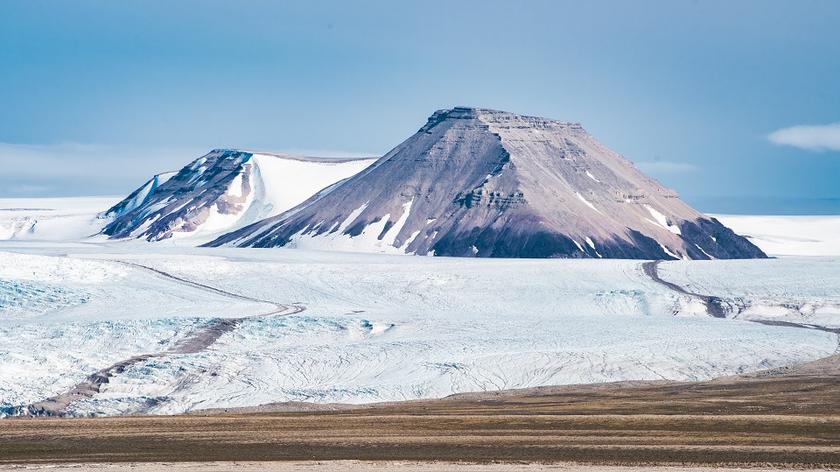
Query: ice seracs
[487, 183]
[222, 191]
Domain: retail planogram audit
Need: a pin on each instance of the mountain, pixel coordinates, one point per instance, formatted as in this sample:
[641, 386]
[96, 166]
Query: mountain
[486, 183]
[223, 191]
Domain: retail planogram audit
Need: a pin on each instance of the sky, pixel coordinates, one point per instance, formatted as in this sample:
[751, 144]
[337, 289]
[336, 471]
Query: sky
[736, 105]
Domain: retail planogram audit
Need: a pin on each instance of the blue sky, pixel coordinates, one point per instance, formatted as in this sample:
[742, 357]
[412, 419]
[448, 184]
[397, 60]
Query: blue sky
[734, 104]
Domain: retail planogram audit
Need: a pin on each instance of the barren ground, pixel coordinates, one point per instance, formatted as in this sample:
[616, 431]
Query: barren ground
[786, 417]
[362, 466]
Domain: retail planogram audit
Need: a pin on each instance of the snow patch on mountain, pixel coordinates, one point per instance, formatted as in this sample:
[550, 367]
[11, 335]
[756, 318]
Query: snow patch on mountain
[587, 203]
[379, 236]
[662, 220]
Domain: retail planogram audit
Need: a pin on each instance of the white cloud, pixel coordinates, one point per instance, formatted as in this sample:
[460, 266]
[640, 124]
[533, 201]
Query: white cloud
[666, 167]
[809, 137]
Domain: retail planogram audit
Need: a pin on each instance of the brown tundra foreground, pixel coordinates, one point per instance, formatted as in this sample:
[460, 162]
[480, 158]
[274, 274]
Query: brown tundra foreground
[786, 418]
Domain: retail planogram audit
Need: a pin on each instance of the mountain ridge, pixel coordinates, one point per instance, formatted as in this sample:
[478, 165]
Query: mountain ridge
[223, 190]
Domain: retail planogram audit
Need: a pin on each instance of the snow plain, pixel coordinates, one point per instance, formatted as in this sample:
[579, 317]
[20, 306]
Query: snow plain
[381, 327]
[789, 235]
[52, 219]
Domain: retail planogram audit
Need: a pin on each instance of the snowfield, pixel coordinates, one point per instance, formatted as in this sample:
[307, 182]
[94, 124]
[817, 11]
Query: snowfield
[52, 219]
[789, 235]
[792, 289]
[380, 327]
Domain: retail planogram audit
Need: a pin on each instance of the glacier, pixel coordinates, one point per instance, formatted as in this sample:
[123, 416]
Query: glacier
[379, 327]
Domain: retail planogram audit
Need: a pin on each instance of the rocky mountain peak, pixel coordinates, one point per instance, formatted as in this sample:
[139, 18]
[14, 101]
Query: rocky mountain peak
[489, 183]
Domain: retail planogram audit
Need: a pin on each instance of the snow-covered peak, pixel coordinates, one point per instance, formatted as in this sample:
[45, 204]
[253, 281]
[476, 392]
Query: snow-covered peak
[224, 190]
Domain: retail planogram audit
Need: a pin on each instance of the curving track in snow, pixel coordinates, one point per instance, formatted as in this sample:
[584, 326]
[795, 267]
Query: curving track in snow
[198, 341]
[715, 306]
